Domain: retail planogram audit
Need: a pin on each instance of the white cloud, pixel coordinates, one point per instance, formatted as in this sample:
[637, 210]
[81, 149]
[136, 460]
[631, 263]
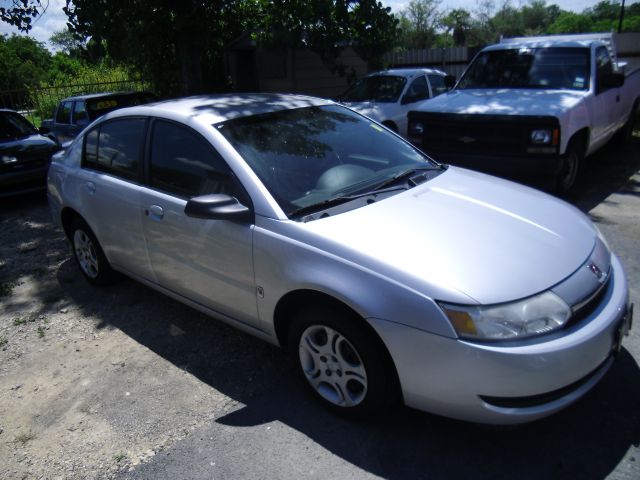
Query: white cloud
[52, 20]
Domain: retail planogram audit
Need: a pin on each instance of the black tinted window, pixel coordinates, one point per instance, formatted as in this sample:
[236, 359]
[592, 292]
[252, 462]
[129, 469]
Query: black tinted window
[64, 113]
[418, 90]
[437, 84]
[119, 145]
[185, 164]
[91, 149]
[79, 112]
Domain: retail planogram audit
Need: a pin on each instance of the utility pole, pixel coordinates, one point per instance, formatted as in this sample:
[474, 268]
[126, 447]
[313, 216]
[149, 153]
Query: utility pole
[621, 17]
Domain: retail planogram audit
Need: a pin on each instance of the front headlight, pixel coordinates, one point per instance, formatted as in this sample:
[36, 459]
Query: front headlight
[532, 316]
[7, 159]
[541, 137]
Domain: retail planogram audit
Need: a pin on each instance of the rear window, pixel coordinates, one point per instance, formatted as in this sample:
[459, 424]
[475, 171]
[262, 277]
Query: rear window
[100, 106]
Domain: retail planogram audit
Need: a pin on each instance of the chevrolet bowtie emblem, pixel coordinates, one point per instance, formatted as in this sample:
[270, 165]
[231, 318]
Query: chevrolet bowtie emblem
[467, 139]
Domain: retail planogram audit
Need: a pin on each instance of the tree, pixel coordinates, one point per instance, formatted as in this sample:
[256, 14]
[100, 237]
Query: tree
[421, 20]
[65, 41]
[23, 62]
[458, 23]
[20, 13]
[569, 22]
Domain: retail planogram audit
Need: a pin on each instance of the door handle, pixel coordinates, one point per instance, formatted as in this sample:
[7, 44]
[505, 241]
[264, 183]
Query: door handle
[91, 187]
[155, 211]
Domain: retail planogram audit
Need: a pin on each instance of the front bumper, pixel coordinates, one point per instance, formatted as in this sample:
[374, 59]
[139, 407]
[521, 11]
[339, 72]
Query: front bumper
[530, 379]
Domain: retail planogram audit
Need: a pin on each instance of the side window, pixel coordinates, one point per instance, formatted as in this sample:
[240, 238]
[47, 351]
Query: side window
[114, 147]
[64, 113]
[437, 84]
[185, 164]
[418, 90]
[90, 158]
[79, 113]
[604, 66]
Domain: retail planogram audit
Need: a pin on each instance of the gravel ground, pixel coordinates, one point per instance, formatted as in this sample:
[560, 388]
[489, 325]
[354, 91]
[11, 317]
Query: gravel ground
[123, 382]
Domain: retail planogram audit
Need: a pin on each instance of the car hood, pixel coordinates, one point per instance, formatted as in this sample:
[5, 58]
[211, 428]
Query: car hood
[487, 238]
[28, 145]
[504, 102]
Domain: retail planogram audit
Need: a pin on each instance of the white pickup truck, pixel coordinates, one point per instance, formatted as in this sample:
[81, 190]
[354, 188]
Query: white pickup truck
[534, 106]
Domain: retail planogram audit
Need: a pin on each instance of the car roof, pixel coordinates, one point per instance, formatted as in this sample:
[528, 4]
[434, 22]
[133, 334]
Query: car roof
[406, 72]
[91, 96]
[213, 109]
[539, 43]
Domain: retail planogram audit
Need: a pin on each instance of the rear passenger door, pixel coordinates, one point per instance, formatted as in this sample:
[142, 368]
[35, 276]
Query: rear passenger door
[110, 191]
[207, 261]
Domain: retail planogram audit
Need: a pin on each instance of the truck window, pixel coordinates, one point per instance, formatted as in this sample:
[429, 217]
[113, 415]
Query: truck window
[418, 90]
[437, 84]
[64, 113]
[564, 68]
[79, 113]
[604, 65]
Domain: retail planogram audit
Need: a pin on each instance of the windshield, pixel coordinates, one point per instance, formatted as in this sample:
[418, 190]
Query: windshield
[380, 88]
[309, 155]
[100, 106]
[14, 125]
[557, 68]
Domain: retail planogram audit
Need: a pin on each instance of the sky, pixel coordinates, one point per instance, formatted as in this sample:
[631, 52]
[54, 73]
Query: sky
[54, 19]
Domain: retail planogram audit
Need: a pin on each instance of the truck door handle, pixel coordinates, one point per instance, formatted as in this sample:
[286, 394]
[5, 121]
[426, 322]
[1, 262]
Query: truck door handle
[617, 98]
[156, 212]
[91, 187]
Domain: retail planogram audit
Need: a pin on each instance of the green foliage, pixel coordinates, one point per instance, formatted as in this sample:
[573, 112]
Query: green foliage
[23, 62]
[20, 13]
[420, 22]
[569, 22]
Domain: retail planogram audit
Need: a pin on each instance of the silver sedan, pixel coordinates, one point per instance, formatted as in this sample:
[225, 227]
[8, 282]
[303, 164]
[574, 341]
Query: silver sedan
[387, 276]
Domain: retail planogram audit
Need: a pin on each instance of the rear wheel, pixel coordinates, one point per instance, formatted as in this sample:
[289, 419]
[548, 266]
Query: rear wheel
[89, 255]
[342, 362]
[624, 136]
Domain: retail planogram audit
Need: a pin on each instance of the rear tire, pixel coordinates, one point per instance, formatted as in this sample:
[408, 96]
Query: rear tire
[89, 255]
[342, 362]
[625, 134]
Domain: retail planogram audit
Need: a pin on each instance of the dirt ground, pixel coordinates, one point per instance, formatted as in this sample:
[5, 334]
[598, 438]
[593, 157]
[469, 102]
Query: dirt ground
[80, 397]
[95, 381]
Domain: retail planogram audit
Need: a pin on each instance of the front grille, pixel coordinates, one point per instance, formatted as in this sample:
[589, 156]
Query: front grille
[496, 135]
[588, 306]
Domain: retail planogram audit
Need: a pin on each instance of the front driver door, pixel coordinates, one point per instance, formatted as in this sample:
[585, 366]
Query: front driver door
[207, 261]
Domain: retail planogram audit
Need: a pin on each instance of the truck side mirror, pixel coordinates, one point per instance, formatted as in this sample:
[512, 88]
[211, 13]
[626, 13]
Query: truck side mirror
[612, 80]
[449, 81]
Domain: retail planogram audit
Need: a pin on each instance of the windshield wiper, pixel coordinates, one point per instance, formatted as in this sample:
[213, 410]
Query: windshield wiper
[405, 174]
[338, 200]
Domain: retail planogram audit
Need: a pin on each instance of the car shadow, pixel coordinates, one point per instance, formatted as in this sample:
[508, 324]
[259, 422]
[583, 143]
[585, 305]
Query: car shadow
[587, 440]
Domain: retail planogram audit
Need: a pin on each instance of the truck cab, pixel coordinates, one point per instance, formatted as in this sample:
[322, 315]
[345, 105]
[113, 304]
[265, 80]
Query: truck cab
[531, 106]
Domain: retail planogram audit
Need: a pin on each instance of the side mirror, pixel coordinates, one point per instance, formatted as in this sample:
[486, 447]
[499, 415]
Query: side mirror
[613, 80]
[217, 206]
[450, 81]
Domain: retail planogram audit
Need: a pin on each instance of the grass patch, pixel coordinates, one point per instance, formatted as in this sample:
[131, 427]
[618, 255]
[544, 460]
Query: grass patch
[6, 288]
[19, 321]
[41, 332]
[23, 438]
[119, 457]
[3, 341]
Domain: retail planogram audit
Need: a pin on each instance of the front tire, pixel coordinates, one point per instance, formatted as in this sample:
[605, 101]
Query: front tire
[89, 255]
[572, 163]
[342, 362]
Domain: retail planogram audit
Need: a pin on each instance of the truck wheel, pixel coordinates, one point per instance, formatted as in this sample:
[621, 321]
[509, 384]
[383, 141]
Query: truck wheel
[567, 179]
[624, 136]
